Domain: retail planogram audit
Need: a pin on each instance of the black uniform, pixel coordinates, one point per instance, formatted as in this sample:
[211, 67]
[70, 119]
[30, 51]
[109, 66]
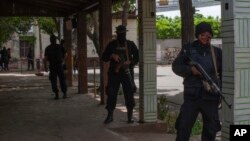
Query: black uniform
[55, 55]
[30, 58]
[123, 76]
[196, 99]
[4, 59]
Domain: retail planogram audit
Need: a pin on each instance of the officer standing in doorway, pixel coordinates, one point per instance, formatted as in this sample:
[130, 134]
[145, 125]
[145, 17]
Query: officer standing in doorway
[54, 55]
[122, 55]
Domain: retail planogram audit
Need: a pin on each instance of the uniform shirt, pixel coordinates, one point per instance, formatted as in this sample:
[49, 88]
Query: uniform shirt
[55, 54]
[201, 55]
[113, 47]
[4, 55]
[30, 55]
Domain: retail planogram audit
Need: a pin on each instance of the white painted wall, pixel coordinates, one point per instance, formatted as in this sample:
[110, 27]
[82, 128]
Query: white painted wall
[173, 45]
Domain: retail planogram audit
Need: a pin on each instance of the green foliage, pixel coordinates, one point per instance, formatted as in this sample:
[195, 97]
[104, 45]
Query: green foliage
[22, 24]
[170, 121]
[10, 25]
[5, 31]
[30, 39]
[197, 129]
[47, 24]
[167, 28]
[169, 117]
[118, 5]
[162, 107]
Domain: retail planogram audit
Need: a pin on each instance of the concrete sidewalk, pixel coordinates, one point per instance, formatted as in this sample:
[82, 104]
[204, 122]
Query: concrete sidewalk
[28, 112]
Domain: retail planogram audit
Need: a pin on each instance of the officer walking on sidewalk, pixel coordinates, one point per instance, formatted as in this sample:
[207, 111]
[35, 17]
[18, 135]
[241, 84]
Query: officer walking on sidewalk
[54, 55]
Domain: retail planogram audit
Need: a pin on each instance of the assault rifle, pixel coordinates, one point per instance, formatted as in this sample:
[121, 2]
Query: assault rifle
[126, 69]
[214, 87]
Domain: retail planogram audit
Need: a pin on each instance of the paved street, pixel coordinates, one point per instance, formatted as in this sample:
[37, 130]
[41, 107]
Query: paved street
[168, 83]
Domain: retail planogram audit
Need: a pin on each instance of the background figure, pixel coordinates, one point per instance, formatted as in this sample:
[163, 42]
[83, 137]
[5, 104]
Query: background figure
[75, 64]
[9, 57]
[55, 56]
[196, 98]
[123, 56]
[64, 61]
[1, 63]
[30, 58]
[4, 58]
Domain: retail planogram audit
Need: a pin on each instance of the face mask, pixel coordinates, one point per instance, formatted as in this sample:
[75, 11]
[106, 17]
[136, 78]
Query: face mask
[121, 37]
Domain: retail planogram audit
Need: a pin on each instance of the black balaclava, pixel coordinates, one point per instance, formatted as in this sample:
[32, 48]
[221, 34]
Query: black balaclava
[121, 37]
[121, 33]
[52, 39]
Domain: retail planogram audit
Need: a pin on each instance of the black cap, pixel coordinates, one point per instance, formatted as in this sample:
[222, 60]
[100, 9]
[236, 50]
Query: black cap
[121, 29]
[203, 27]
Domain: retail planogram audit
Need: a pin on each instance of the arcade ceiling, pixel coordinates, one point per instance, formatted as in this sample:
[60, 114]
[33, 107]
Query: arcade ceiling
[51, 8]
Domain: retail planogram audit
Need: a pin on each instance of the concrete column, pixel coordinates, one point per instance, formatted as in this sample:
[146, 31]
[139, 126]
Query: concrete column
[82, 53]
[147, 63]
[105, 30]
[236, 64]
[68, 46]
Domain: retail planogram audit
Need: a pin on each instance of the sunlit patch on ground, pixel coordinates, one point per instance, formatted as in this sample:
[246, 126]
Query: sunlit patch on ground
[16, 74]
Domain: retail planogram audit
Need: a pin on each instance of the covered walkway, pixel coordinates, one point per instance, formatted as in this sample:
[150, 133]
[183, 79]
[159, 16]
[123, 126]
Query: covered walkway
[29, 112]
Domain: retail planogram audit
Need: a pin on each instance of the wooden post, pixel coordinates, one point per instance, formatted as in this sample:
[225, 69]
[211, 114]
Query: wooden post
[105, 36]
[82, 53]
[187, 18]
[67, 44]
[94, 78]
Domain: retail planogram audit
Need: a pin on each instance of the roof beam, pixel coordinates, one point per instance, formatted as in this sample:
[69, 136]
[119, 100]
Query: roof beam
[22, 9]
[69, 3]
[46, 5]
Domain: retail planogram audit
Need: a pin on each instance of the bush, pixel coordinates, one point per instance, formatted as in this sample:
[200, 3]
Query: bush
[169, 117]
[169, 28]
[162, 107]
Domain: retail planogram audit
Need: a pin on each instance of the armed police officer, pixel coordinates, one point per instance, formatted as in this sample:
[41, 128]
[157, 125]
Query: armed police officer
[54, 56]
[122, 55]
[198, 99]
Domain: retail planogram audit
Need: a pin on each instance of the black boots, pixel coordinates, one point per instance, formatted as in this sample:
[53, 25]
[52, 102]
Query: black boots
[130, 116]
[109, 118]
[64, 95]
[56, 96]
